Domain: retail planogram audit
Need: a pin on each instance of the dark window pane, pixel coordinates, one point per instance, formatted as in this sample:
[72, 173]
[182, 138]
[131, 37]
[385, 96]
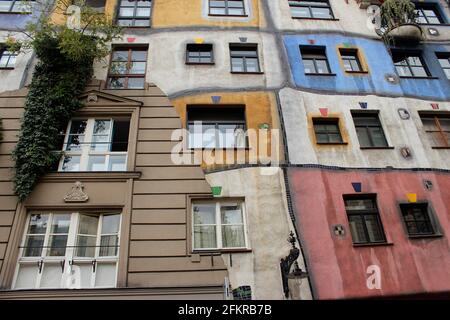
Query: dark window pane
[120, 135]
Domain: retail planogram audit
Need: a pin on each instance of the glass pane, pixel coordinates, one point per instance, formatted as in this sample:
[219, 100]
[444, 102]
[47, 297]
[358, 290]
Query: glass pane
[116, 83]
[60, 223]
[237, 64]
[236, 12]
[359, 204]
[309, 66]
[3, 61]
[118, 68]
[135, 83]
[363, 137]
[252, 65]
[126, 12]
[142, 23]
[378, 138]
[355, 65]
[125, 22]
[137, 68]
[300, 12]
[71, 163]
[88, 224]
[97, 163]
[105, 275]
[5, 5]
[33, 246]
[231, 214]
[117, 163]
[419, 72]
[322, 13]
[403, 71]
[26, 277]
[102, 126]
[38, 223]
[86, 246]
[347, 65]
[57, 246]
[445, 63]
[120, 135]
[144, 3]
[374, 228]
[204, 214]
[110, 223]
[143, 12]
[51, 276]
[100, 143]
[83, 275]
[357, 229]
[233, 236]
[139, 55]
[108, 246]
[322, 66]
[205, 237]
[335, 137]
[120, 55]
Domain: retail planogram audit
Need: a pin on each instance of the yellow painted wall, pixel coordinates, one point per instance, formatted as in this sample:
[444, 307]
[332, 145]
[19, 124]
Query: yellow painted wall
[58, 16]
[176, 13]
[260, 108]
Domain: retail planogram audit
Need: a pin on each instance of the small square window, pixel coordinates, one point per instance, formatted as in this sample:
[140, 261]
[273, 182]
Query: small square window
[226, 8]
[134, 13]
[350, 60]
[417, 219]
[312, 9]
[244, 58]
[437, 128]
[327, 131]
[410, 64]
[127, 69]
[7, 58]
[199, 54]
[315, 60]
[369, 130]
[428, 13]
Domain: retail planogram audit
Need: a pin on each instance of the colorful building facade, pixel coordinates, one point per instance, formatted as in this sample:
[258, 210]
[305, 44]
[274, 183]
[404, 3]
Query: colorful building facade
[244, 121]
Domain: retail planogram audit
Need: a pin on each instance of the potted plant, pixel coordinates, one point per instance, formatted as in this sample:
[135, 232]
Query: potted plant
[398, 18]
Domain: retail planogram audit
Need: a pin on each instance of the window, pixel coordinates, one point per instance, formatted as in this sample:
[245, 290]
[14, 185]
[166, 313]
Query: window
[217, 127]
[409, 64]
[428, 14]
[244, 59]
[316, 9]
[7, 58]
[227, 7]
[327, 131]
[219, 225]
[127, 69]
[315, 60]
[417, 219]
[369, 130]
[199, 54]
[134, 13]
[364, 219]
[350, 60]
[96, 145]
[97, 5]
[444, 61]
[69, 250]
[18, 6]
[437, 127]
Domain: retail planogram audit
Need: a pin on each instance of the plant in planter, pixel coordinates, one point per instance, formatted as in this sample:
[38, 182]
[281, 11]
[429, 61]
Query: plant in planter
[398, 19]
[65, 65]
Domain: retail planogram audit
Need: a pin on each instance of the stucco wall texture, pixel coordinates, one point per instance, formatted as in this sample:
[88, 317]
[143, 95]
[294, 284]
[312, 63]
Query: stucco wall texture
[337, 267]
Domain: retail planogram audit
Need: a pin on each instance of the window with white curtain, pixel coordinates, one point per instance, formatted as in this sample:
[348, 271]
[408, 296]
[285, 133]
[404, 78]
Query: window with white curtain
[69, 250]
[99, 144]
[219, 225]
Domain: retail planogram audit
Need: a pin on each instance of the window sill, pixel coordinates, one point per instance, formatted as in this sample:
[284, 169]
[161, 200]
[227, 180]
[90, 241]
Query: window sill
[92, 175]
[425, 236]
[220, 251]
[229, 15]
[222, 149]
[374, 244]
[357, 72]
[332, 143]
[240, 72]
[14, 12]
[420, 78]
[320, 19]
[440, 148]
[376, 148]
[7, 68]
[321, 74]
[200, 63]
[434, 24]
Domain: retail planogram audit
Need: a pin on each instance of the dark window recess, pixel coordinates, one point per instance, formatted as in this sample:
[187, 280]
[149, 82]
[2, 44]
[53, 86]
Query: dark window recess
[437, 127]
[211, 127]
[199, 54]
[444, 61]
[134, 13]
[364, 219]
[312, 9]
[410, 64]
[227, 7]
[428, 13]
[350, 60]
[244, 58]
[369, 130]
[7, 58]
[120, 133]
[417, 219]
[127, 69]
[98, 5]
[327, 131]
[315, 60]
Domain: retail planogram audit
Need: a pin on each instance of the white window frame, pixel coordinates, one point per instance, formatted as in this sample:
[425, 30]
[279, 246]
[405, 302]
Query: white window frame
[69, 257]
[85, 153]
[218, 224]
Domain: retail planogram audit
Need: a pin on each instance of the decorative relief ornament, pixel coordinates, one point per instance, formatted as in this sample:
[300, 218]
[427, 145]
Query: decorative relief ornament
[76, 194]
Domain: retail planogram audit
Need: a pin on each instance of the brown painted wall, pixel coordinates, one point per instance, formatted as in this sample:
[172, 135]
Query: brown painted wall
[153, 196]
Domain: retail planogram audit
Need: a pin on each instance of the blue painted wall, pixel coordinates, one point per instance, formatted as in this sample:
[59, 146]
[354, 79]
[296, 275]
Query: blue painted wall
[379, 63]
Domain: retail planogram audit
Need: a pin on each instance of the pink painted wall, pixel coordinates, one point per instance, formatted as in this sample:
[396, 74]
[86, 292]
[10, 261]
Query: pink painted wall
[337, 267]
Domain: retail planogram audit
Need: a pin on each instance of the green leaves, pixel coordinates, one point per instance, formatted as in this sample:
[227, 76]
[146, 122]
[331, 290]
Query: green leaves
[397, 12]
[65, 66]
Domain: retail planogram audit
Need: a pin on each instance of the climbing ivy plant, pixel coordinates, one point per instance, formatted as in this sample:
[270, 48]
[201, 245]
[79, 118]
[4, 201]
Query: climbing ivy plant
[66, 53]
